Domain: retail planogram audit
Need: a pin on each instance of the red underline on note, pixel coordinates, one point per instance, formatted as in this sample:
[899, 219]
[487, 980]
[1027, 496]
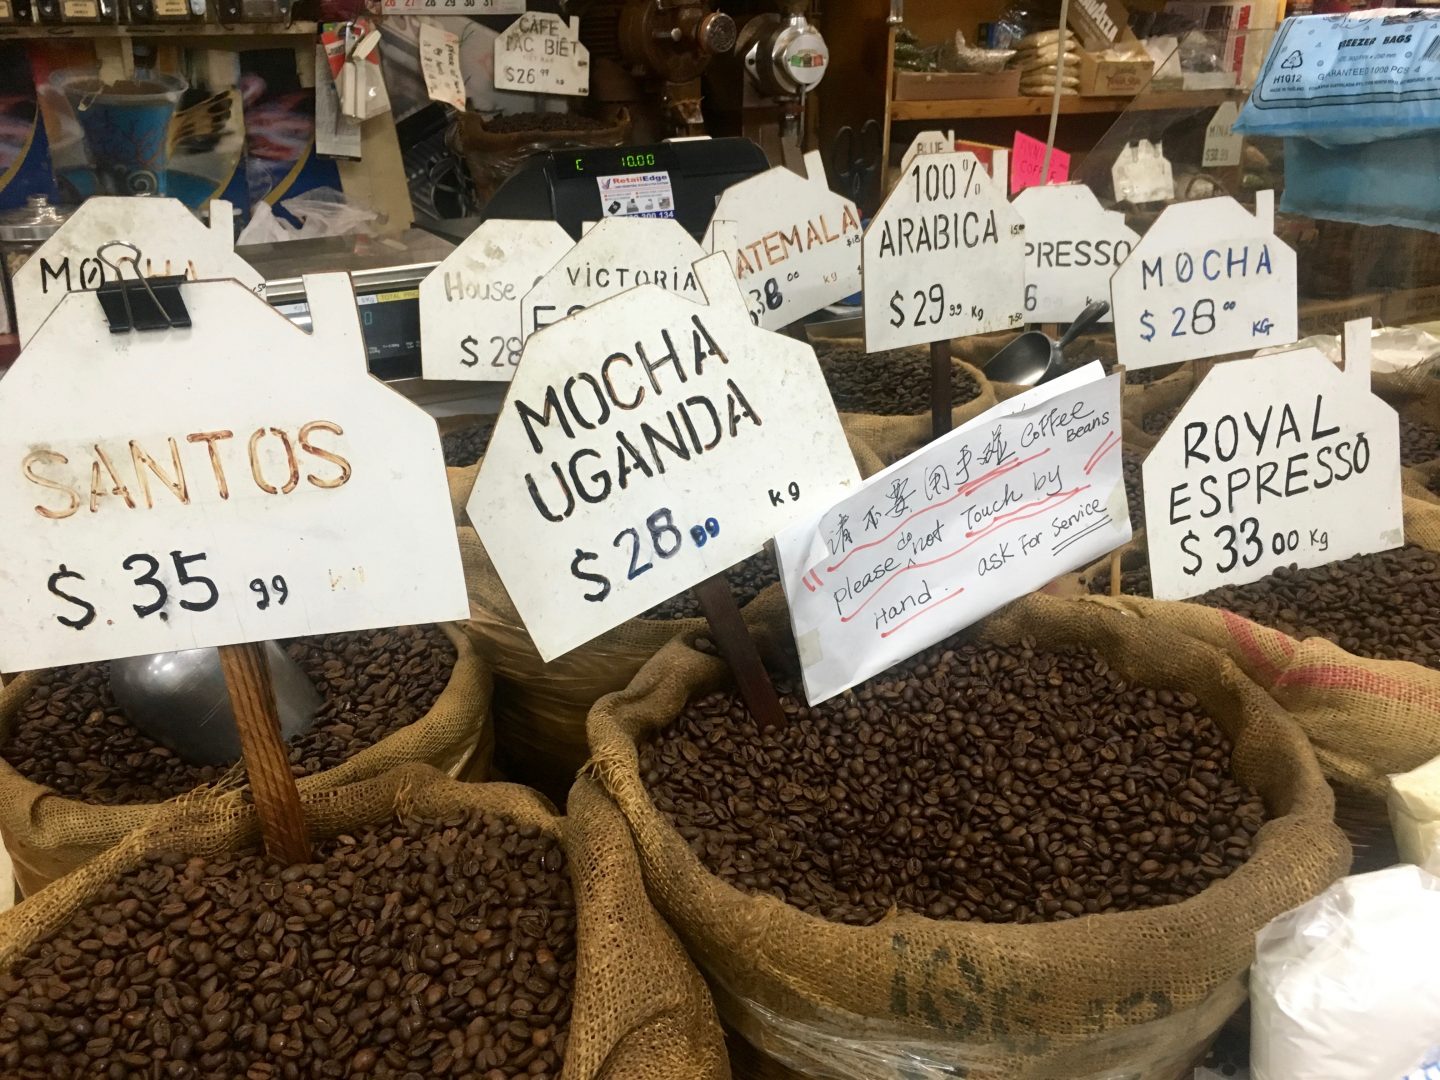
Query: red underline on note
[966, 488]
[1020, 513]
[922, 611]
[1112, 440]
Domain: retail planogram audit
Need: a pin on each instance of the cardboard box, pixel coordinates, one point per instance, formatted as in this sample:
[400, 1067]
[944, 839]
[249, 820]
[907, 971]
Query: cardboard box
[1405, 306]
[1108, 78]
[1330, 316]
[1099, 23]
[951, 85]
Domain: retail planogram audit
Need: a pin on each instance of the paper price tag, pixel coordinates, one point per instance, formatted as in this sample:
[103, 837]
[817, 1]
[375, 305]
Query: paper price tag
[1222, 145]
[452, 7]
[1142, 174]
[928, 142]
[541, 53]
[1072, 246]
[440, 64]
[798, 242]
[470, 303]
[646, 444]
[171, 238]
[237, 481]
[944, 256]
[995, 509]
[618, 253]
[1028, 164]
[1276, 460]
[1207, 279]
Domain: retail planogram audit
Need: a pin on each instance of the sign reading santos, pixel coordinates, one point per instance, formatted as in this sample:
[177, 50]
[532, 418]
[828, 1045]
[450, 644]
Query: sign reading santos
[646, 444]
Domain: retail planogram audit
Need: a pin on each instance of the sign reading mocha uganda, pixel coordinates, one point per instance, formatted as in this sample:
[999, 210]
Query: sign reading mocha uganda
[202, 486]
[1278, 460]
[645, 445]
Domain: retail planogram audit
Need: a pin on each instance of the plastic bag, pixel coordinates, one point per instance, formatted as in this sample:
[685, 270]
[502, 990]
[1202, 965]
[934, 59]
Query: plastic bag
[320, 211]
[1348, 984]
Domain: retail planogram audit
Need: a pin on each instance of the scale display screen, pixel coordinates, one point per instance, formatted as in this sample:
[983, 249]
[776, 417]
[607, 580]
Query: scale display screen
[612, 160]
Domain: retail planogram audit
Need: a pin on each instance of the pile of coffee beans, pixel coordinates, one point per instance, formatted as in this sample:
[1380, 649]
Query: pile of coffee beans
[1156, 421]
[747, 580]
[1000, 783]
[1145, 376]
[543, 121]
[1419, 442]
[1133, 464]
[423, 948]
[1384, 606]
[467, 445]
[72, 737]
[893, 383]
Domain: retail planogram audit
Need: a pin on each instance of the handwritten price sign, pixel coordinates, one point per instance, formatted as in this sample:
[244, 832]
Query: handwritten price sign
[647, 443]
[1276, 460]
[1072, 246]
[989, 512]
[262, 486]
[944, 256]
[541, 53]
[1208, 279]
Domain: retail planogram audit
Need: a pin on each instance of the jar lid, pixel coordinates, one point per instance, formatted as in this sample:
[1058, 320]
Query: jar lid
[36, 221]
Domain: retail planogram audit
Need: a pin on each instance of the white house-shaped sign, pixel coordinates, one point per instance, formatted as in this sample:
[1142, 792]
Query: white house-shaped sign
[1072, 246]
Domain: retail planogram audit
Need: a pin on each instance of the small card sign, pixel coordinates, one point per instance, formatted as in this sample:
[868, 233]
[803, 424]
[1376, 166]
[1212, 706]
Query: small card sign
[1222, 146]
[1027, 165]
[1276, 460]
[928, 142]
[1142, 173]
[240, 480]
[646, 444]
[173, 240]
[541, 53]
[616, 254]
[944, 256]
[798, 242]
[1072, 246]
[995, 509]
[440, 64]
[1208, 279]
[470, 303]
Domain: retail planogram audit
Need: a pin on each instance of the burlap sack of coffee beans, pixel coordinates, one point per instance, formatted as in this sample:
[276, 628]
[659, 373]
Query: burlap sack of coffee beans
[1135, 993]
[540, 708]
[444, 929]
[94, 778]
[1361, 675]
[884, 398]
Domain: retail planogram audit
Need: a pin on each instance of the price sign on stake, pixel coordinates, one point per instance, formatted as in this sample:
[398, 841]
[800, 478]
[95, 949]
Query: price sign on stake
[944, 256]
[617, 254]
[237, 481]
[171, 236]
[992, 510]
[1277, 460]
[470, 303]
[1072, 246]
[1207, 279]
[541, 53]
[1222, 146]
[797, 242]
[647, 444]
[928, 142]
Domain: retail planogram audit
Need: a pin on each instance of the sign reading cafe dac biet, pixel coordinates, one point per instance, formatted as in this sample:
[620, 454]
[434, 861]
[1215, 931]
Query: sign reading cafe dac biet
[646, 444]
[249, 486]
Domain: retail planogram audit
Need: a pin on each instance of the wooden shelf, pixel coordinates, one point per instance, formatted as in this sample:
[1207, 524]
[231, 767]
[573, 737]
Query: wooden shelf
[966, 108]
[92, 31]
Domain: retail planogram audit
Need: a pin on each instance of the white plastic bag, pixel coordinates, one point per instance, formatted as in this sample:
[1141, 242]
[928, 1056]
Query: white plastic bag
[320, 211]
[1415, 815]
[1347, 986]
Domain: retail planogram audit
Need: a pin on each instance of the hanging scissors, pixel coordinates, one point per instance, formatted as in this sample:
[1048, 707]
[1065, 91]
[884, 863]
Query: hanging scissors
[855, 162]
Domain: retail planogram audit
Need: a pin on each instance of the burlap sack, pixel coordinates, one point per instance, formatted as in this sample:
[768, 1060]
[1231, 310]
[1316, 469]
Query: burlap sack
[640, 1011]
[48, 835]
[1365, 718]
[1137, 994]
[892, 437]
[540, 708]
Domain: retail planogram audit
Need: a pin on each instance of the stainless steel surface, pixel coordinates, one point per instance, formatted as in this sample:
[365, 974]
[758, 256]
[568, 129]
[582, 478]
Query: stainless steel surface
[373, 262]
[179, 699]
[29, 226]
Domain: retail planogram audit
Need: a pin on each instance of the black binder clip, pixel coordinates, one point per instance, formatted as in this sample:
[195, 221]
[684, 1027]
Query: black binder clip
[143, 303]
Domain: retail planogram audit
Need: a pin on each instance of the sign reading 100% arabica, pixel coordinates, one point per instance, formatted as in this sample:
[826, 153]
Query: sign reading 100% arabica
[944, 257]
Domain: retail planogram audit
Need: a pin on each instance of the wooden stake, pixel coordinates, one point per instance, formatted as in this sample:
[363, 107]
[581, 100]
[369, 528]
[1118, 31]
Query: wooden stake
[1115, 555]
[277, 799]
[733, 638]
[939, 388]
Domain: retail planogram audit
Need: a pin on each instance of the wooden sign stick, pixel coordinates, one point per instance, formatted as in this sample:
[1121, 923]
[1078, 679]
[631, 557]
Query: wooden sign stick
[277, 799]
[940, 396]
[736, 645]
[1115, 589]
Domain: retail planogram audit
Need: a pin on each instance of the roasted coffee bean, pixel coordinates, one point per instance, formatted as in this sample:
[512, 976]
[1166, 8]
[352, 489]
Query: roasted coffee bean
[1132, 463]
[71, 735]
[542, 121]
[747, 580]
[1384, 606]
[315, 1012]
[893, 383]
[991, 783]
[467, 445]
[1156, 421]
[1419, 442]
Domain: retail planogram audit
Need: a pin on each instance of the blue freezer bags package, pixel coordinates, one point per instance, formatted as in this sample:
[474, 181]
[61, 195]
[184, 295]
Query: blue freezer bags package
[1342, 79]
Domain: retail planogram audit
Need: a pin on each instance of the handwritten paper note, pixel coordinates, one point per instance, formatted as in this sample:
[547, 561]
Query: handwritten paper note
[1027, 164]
[993, 510]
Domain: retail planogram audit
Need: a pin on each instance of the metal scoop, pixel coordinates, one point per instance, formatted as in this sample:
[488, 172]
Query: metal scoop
[179, 699]
[1032, 357]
